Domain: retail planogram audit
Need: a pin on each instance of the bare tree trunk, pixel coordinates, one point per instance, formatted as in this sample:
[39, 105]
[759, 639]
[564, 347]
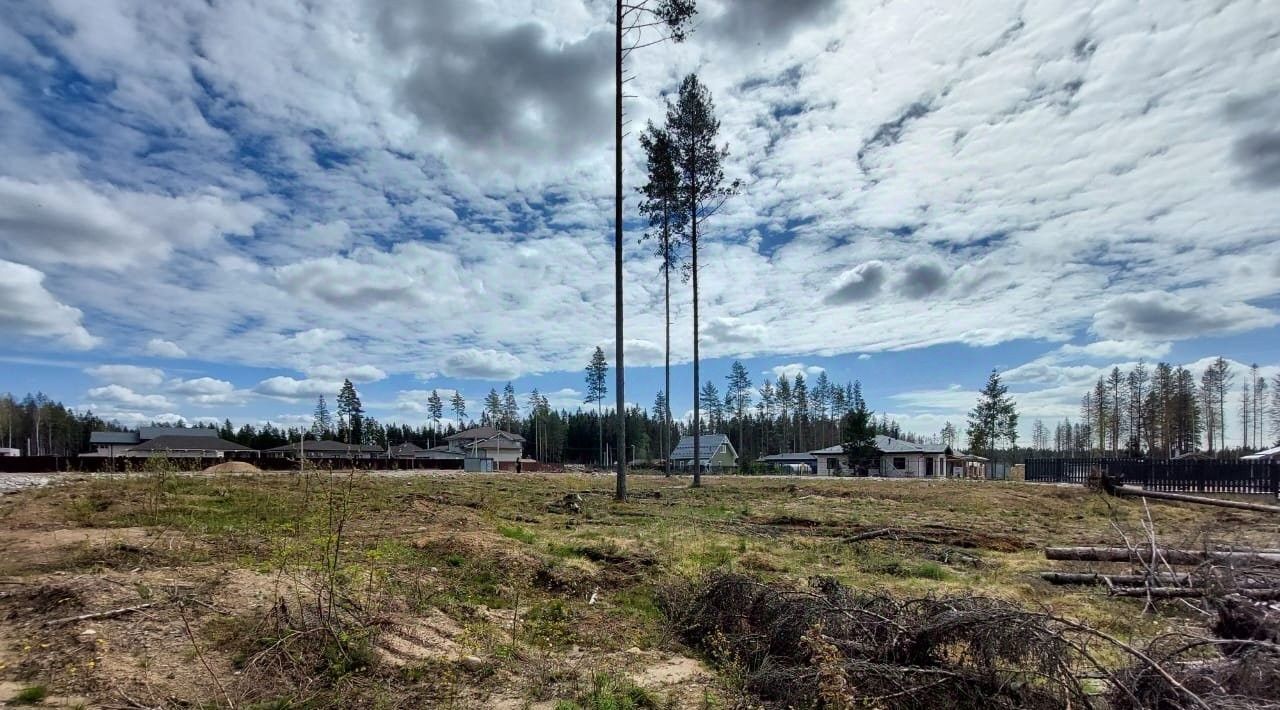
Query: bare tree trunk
[666, 393]
[621, 493]
[697, 413]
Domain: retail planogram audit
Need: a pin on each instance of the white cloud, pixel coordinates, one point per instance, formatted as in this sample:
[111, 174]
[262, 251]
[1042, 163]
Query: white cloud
[734, 332]
[858, 283]
[1156, 314]
[128, 375]
[291, 388]
[356, 373]
[486, 364]
[121, 396]
[164, 348]
[790, 370]
[71, 222]
[27, 308]
[864, 356]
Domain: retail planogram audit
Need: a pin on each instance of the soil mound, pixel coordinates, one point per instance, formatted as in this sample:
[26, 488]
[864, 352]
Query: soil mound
[233, 467]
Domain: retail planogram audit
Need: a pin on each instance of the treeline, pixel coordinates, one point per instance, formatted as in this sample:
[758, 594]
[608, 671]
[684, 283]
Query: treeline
[1166, 411]
[38, 426]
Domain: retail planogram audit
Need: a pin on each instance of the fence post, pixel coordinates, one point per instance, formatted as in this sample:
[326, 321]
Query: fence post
[1275, 478]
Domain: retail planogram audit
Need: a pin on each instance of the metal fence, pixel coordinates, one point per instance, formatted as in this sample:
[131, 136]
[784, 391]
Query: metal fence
[1186, 475]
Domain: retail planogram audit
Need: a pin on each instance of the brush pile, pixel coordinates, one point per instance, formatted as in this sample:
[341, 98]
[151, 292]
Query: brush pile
[826, 645]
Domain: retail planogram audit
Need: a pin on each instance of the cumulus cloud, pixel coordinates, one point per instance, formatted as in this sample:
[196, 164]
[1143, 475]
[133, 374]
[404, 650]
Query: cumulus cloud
[121, 396]
[208, 391]
[755, 22]
[790, 370]
[482, 364]
[160, 347]
[733, 331]
[1155, 314]
[71, 222]
[128, 375]
[1116, 349]
[921, 277]
[858, 284]
[27, 308]
[499, 87]
[284, 387]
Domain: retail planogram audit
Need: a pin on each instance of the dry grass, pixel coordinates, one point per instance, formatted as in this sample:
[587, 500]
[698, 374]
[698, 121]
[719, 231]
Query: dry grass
[511, 571]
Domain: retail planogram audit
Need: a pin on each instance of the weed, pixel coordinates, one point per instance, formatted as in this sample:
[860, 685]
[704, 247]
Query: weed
[515, 532]
[31, 694]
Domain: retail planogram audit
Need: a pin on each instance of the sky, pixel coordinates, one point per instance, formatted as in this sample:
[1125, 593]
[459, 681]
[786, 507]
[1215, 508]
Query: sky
[217, 210]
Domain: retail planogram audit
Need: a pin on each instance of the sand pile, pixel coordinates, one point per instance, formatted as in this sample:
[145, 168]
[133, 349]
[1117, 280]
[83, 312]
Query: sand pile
[233, 467]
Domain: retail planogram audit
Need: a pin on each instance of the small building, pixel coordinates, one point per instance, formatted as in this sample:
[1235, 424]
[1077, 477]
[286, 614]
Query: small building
[184, 446]
[715, 452]
[5, 451]
[503, 448]
[898, 458]
[800, 463]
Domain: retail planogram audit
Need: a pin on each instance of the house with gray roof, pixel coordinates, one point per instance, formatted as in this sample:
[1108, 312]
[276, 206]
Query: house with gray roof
[898, 458]
[715, 452]
[501, 449]
[109, 444]
[189, 446]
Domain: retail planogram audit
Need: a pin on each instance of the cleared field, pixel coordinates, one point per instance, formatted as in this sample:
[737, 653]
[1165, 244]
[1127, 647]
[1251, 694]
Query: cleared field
[494, 591]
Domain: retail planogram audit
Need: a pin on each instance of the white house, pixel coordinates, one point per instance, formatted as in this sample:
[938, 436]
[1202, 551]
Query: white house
[898, 459]
[502, 448]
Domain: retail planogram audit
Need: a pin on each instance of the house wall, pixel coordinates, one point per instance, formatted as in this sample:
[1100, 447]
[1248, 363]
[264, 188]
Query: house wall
[912, 465]
[113, 449]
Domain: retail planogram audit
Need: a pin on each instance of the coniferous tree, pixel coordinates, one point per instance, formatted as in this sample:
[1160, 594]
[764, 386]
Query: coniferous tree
[597, 376]
[857, 432]
[738, 394]
[510, 408]
[350, 413]
[667, 222]
[712, 405]
[492, 409]
[948, 434]
[635, 22]
[800, 396]
[321, 420]
[693, 128]
[435, 408]
[994, 418]
[459, 407]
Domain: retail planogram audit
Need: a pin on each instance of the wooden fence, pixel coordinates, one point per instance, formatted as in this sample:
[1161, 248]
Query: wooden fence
[1186, 475]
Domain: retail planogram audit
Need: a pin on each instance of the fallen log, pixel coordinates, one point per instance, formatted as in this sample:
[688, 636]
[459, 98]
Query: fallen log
[1262, 594]
[1112, 579]
[100, 614]
[1132, 492]
[1175, 557]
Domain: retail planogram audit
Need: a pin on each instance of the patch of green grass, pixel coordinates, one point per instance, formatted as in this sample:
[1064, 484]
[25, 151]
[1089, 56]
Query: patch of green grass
[515, 532]
[929, 570]
[31, 694]
[611, 692]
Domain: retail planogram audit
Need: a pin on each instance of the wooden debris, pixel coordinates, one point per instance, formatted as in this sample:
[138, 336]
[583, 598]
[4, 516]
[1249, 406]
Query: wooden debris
[1133, 492]
[1172, 556]
[101, 614]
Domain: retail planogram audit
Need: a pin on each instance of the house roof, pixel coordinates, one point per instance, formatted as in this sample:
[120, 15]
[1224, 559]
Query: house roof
[113, 437]
[890, 445]
[151, 432]
[1264, 454]
[708, 446]
[484, 432]
[189, 443]
[405, 449]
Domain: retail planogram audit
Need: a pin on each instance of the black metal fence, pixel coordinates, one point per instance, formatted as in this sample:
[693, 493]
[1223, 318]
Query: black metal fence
[1181, 475]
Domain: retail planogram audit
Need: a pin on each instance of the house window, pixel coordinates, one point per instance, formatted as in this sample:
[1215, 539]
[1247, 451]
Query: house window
[899, 462]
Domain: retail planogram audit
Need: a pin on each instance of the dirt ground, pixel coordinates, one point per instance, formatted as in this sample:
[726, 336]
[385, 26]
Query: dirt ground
[479, 591]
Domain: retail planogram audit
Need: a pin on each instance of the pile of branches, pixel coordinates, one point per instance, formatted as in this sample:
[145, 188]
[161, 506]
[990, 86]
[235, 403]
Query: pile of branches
[826, 645]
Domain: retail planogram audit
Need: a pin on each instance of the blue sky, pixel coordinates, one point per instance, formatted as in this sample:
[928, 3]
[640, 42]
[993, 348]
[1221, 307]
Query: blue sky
[220, 211]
